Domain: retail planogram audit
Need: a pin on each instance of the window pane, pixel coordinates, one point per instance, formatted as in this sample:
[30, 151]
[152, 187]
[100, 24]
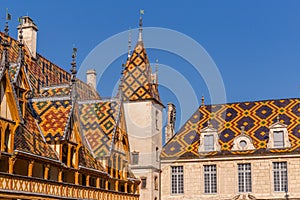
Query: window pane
[208, 142]
[244, 178]
[278, 139]
[280, 176]
[177, 179]
[210, 179]
[135, 158]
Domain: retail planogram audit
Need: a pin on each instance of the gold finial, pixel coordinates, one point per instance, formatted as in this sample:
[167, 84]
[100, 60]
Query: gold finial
[278, 118]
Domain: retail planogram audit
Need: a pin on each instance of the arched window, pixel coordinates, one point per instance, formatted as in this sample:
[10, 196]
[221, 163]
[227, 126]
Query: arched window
[156, 183]
[65, 154]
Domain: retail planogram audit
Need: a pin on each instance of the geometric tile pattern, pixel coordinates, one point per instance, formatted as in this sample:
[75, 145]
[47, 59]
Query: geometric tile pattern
[97, 122]
[228, 119]
[137, 84]
[56, 91]
[42, 72]
[52, 117]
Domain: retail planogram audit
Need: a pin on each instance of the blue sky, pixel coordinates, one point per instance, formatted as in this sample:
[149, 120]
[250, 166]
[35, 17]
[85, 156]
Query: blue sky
[255, 44]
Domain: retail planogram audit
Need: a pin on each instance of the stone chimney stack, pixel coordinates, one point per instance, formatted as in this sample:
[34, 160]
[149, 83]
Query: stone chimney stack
[171, 118]
[29, 34]
[91, 78]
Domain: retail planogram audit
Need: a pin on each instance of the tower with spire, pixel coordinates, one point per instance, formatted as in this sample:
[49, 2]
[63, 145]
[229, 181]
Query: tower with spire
[143, 114]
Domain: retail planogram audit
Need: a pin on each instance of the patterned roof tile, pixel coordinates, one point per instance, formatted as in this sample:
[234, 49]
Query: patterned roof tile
[228, 119]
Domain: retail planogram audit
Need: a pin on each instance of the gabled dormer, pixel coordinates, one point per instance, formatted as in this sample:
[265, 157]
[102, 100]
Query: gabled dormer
[209, 139]
[278, 135]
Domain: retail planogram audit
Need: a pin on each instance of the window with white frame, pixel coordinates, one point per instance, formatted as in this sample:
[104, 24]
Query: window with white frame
[210, 179]
[278, 139]
[209, 140]
[177, 179]
[278, 135]
[280, 176]
[244, 178]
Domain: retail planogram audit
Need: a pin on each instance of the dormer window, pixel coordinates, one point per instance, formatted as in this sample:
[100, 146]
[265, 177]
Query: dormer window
[278, 136]
[243, 142]
[209, 140]
[278, 139]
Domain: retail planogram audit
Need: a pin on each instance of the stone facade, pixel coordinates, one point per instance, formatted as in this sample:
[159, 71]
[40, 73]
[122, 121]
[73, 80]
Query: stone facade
[227, 178]
[144, 125]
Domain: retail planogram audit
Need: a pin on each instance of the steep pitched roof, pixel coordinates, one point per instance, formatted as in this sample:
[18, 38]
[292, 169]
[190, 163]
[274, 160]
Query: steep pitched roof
[53, 115]
[42, 72]
[29, 139]
[228, 119]
[138, 80]
[98, 120]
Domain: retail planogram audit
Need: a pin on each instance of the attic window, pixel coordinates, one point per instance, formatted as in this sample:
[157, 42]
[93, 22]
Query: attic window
[209, 140]
[278, 135]
[243, 142]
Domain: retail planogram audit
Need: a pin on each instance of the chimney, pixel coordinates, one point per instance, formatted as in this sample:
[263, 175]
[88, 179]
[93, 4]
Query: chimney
[29, 34]
[91, 77]
[171, 118]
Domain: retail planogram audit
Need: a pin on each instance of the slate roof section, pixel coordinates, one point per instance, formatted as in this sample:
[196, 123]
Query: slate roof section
[228, 119]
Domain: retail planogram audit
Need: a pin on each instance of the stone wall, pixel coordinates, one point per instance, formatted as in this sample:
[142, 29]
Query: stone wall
[227, 178]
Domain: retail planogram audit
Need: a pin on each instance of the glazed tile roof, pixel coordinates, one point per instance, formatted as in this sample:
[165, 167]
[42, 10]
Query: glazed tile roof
[138, 83]
[228, 119]
[29, 139]
[97, 122]
[58, 90]
[52, 116]
[42, 72]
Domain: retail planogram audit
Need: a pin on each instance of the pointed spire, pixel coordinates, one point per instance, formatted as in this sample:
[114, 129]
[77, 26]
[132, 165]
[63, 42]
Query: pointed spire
[129, 44]
[120, 92]
[73, 64]
[73, 72]
[5, 43]
[140, 39]
[156, 72]
[20, 44]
